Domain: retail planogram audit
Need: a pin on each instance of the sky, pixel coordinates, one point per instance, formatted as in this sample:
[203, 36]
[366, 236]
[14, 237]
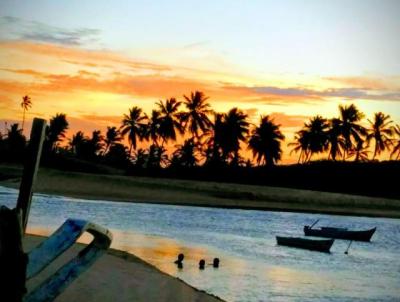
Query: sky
[93, 60]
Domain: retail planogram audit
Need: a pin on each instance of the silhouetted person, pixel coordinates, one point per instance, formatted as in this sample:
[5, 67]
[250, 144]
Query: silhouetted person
[216, 262]
[179, 261]
[202, 263]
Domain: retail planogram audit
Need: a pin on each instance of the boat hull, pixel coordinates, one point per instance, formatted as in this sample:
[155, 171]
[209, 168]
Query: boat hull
[308, 244]
[338, 233]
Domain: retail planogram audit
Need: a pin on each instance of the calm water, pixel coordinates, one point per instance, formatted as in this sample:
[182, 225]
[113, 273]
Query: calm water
[253, 267]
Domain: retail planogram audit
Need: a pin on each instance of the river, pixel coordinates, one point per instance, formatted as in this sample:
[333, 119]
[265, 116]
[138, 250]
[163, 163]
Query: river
[252, 267]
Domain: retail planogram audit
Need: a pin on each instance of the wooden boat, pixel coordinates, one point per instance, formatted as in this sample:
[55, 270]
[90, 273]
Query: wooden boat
[339, 233]
[308, 244]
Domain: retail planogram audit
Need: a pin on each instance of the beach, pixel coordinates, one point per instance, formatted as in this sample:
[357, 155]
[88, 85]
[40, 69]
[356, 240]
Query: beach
[118, 276]
[198, 193]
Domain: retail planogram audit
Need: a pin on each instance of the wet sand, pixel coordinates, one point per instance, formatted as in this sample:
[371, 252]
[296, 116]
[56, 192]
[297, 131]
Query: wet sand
[118, 276]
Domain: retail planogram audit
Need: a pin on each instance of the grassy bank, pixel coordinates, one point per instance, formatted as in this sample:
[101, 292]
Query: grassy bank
[199, 193]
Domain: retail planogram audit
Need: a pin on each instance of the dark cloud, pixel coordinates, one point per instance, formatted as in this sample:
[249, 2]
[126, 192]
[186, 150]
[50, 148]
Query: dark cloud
[16, 28]
[350, 93]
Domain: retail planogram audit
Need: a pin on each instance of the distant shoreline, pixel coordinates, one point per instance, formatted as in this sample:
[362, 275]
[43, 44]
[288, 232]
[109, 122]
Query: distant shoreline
[199, 193]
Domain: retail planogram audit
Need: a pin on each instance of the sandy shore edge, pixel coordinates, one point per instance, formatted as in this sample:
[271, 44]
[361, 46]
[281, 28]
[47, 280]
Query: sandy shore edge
[121, 275]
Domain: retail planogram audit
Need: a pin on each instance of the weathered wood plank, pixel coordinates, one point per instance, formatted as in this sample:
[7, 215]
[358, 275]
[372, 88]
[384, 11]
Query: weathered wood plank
[59, 242]
[31, 166]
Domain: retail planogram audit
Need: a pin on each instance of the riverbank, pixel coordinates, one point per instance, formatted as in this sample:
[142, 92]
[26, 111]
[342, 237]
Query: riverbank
[198, 193]
[118, 276]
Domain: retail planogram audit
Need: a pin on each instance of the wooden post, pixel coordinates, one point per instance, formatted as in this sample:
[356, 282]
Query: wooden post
[31, 166]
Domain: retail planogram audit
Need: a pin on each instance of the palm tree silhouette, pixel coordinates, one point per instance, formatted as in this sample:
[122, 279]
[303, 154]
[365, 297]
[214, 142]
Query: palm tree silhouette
[25, 104]
[133, 125]
[301, 144]
[15, 143]
[169, 119]
[318, 136]
[265, 142]
[396, 148]
[196, 117]
[15, 136]
[96, 143]
[140, 158]
[380, 132]
[360, 152]
[118, 156]
[350, 129]
[214, 137]
[153, 129]
[185, 155]
[112, 137]
[157, 157]
[335, 140]
[77, 143]
[234, 130]
[56, 130]
[312, 139]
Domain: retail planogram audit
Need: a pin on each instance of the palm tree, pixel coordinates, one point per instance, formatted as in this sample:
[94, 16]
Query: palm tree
[157, 157]
[77, 143]
[56, 130]
[351, 131]
[96, 143]
[15, 143]
[133, 125]
[335, 140]
[312, 139]
[196, 116]
[140, 158]
[380, 132]
[396, 148]
[235, 130]
[318, 137]
[185, 154]
[112, 137]
[360, 152]
[25, 104]
[153, 129]
[214, 140]
[265, 142]
[118, 156]
[169, 119]
[301, 144]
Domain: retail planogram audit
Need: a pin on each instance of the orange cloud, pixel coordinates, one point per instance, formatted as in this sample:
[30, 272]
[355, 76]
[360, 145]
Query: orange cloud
[14, 87]
[288, 121]
[149, 86]
[79, 56]
[103, 119]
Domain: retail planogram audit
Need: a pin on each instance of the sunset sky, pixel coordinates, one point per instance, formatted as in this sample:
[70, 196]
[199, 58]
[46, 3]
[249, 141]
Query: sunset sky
[290, 59]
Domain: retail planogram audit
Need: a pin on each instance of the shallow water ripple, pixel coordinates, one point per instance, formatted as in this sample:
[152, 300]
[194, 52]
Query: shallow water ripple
[253, 267]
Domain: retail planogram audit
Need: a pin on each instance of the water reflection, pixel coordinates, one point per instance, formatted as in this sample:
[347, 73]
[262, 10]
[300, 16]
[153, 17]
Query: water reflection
[159, 251]
[253, 267]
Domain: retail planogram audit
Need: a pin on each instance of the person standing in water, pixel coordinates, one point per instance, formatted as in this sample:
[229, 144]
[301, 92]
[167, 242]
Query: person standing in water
[216, 262]
[179, 261]
[202, 263]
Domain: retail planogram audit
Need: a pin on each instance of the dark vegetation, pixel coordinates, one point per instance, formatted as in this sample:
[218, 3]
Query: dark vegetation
[211, 143]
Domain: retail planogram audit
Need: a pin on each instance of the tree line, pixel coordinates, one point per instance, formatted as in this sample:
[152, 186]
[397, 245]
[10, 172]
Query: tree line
[210, 138]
